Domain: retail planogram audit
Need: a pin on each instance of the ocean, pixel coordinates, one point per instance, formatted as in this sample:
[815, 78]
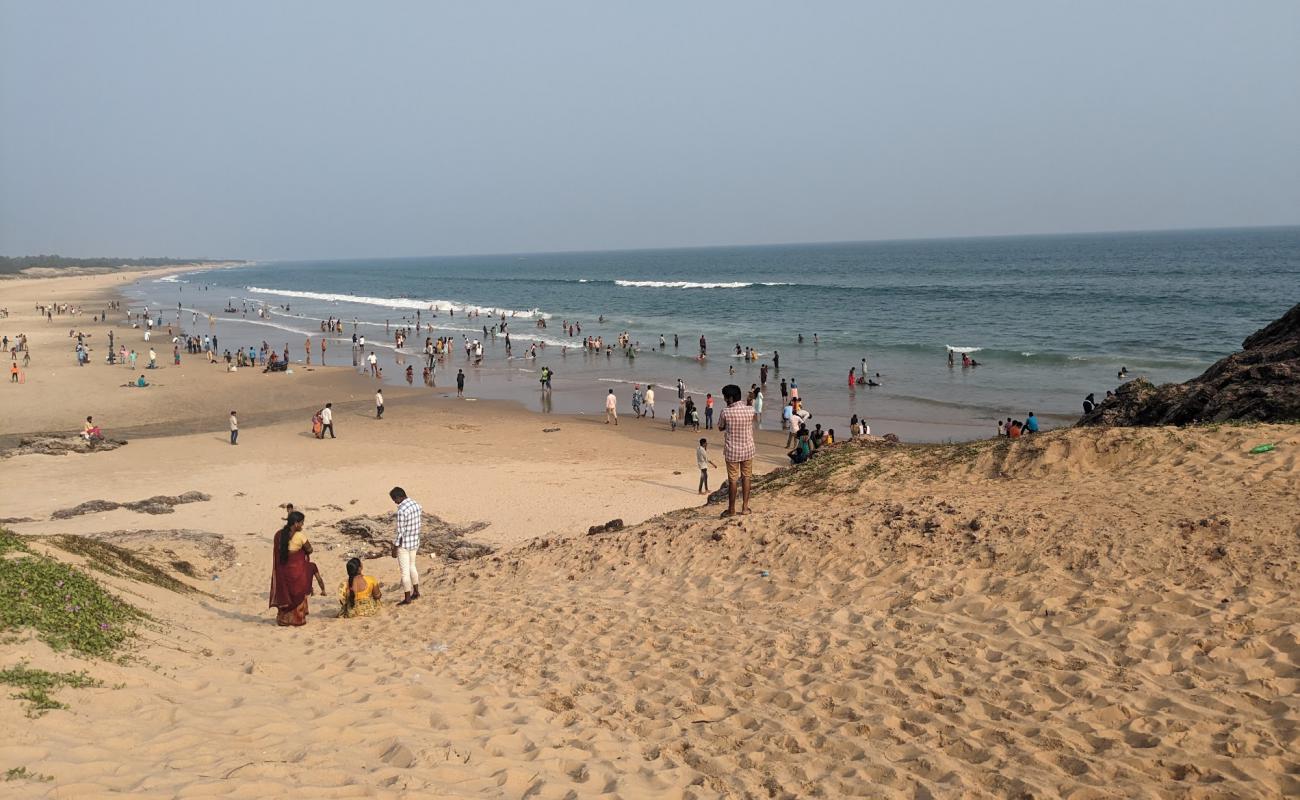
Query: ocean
[1048, 318]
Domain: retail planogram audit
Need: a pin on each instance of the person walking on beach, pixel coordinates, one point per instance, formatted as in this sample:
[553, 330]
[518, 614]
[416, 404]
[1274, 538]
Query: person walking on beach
[307, 347]
[379, 404]
[406, 545]
[460, 383]
[373, 361]
[611, 408]
[703, 462]
[737, 422]
[681, 393]
[650, 401]
[327, 420]
[322, 351]
[708, 411]
[234, 428]
[637, 397]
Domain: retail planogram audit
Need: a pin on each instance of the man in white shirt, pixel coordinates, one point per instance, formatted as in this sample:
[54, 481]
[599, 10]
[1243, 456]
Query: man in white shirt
[379, 404]
[373, 360]
[327, 420]
[650, 401]
[406, 544]
[611, 408]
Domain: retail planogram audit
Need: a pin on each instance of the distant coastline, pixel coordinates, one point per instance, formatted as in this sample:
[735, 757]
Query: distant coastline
[51, 266]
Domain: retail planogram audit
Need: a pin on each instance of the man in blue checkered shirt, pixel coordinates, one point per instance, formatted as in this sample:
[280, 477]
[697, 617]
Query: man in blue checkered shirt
[407, 543]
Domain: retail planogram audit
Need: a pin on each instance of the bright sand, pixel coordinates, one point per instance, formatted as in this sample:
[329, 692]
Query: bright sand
[1090, 614]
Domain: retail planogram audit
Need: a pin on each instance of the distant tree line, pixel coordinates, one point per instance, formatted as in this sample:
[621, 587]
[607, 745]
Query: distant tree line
[11, 264]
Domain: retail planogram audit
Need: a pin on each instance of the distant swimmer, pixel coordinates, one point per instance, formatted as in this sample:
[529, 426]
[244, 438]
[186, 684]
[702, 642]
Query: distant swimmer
[801, 338]
[1122, 374]
[704, 346]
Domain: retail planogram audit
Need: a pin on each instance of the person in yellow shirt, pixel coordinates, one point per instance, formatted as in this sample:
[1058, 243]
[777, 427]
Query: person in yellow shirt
[360, 594]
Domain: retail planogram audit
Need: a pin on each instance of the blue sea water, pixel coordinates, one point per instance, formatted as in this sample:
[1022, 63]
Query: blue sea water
[1049, 318]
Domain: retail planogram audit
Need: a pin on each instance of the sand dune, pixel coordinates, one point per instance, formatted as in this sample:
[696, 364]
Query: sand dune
[1094, 613]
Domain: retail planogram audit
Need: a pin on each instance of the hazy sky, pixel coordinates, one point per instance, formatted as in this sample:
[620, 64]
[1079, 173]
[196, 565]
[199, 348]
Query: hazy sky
[336, 129]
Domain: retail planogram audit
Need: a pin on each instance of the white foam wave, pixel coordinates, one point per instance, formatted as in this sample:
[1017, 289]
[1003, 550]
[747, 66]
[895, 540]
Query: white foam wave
[403, 303]
[691, 284]
[964, 349]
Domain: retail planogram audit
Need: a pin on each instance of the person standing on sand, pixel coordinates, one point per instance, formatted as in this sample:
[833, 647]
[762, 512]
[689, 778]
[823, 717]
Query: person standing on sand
[611, 408]
[373, 360]
[460, 383]
[708, 411]
[406, 545]
[322, 351]
[291, 572]
[650, 401]
[307, 347]
[703, 462]
[379, 404]
[327, 420]
[234, 428]
[737, 422]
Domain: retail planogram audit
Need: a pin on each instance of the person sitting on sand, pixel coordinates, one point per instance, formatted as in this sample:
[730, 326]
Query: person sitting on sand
[360, 594]
[1031, 423]
[802, 448]
[140, 382]
[90, 431]
[291, 573]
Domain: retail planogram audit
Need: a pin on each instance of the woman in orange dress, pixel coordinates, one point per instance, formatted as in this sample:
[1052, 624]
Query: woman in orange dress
[291, 572]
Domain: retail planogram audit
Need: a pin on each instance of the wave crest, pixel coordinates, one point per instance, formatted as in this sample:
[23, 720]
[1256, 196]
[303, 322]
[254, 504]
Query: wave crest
[694, 284]
[402, 303]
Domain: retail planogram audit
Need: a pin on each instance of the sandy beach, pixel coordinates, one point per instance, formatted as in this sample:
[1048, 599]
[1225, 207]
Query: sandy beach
[1086, 614]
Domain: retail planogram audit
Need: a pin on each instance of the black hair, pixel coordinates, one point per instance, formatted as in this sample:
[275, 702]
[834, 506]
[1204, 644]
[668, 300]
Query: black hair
[286, 533]
[704, 441]
[731, 393]
[397, 493]
[354, 569]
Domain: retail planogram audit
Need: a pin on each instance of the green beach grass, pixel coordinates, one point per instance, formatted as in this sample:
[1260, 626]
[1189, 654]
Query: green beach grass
[68, 609]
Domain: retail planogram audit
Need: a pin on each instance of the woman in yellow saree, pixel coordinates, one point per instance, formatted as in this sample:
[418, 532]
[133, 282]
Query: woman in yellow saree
[359, 595]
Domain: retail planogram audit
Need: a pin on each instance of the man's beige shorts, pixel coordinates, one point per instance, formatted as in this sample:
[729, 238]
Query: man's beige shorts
[738, 469]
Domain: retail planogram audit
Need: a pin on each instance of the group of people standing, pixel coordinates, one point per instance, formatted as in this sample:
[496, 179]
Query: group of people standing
[293, 573]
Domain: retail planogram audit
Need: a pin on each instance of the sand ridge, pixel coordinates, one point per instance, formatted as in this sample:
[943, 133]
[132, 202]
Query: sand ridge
[1090, 614]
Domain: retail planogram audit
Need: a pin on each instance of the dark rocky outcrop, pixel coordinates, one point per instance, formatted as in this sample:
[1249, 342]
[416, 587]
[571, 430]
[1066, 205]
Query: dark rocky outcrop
[158, 504]
[1260, 383]
[60, 445]
[436, 536]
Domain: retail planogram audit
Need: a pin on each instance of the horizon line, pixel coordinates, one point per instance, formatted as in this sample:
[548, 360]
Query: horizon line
[716, 246]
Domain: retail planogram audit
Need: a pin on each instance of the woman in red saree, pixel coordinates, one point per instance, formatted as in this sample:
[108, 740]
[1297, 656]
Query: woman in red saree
[291, 572]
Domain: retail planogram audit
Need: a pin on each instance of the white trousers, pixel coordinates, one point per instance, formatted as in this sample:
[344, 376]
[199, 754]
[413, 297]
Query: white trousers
[407, 566]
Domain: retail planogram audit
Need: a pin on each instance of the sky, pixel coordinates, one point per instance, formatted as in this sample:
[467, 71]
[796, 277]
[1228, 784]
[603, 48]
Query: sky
[342, 129]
